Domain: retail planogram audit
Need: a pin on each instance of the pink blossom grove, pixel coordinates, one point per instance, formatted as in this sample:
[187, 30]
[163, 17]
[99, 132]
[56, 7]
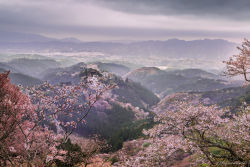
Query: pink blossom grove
[24, 138]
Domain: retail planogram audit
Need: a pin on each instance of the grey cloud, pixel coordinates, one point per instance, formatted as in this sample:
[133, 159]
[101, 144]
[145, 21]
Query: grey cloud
[13, 18]
[44, 20]
[229, 9]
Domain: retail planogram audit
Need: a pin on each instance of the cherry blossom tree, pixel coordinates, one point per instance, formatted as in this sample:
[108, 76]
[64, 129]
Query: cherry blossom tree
[208, 133]
[26, 135]
[240, 64]
[205, 129]
[21, 139]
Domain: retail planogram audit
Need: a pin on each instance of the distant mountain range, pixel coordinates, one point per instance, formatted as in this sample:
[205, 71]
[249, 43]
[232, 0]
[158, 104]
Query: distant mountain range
[19, 37]
[27, 72]
[172, 48]
[32, 67]
[158, 81]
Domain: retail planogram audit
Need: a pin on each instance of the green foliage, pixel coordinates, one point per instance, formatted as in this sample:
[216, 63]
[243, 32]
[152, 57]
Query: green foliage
[129, 132]
[107, 121]
[146, 144]
[113, 159]
[74, 154]
[116, 125]
[69, 146]
[107, 124]
[216, 151]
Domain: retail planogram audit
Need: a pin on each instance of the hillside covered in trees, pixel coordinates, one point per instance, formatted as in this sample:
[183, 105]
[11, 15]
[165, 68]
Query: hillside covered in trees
[105, 113]
[124, 83]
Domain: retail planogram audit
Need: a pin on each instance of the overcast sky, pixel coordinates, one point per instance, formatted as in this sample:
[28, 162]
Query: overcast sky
[92, 20]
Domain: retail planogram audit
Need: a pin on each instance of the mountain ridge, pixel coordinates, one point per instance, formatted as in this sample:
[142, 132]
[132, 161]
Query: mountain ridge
[171, 48]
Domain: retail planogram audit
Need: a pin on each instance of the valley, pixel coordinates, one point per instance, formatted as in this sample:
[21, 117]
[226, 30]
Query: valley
[140, 95]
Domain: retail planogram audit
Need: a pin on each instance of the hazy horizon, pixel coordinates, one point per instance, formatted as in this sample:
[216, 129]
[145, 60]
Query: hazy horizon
[124, 40]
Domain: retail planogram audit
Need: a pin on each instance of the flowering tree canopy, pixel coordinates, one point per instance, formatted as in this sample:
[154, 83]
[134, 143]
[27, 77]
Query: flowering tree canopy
[26, 136]
[205, 131]
[240, 64]
[201, 131]
[21, 138]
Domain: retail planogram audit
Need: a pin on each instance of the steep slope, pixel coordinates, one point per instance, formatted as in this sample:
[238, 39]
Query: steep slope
[166, 82]
[33, 67]
[24, 80]
[134, 93]
[19, 78]
[128, 110]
